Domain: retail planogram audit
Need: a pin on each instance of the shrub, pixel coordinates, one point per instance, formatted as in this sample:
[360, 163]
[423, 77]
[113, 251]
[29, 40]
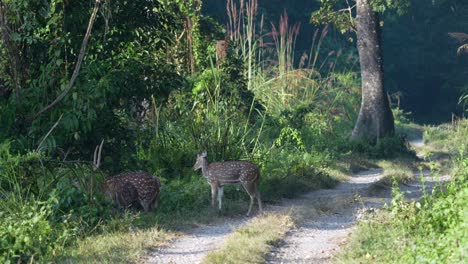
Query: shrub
[289, 172]
[389, 147]
[41, 209]
[184, 195]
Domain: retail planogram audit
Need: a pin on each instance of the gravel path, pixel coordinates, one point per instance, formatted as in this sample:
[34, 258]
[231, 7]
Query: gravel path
[318, 238]
[320, 234]
[325, 219]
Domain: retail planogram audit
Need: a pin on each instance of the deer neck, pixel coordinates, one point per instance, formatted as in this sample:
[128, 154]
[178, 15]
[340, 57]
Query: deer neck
[204, 167]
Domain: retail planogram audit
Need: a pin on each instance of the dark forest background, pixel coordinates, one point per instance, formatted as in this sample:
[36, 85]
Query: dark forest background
[422, 67]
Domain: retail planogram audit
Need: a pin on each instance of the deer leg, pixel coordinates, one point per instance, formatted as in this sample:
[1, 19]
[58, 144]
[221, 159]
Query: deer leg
[145, 206]
[220, 196]
[257, 193]
[154, 203]
[250, 189]
[214, 193]
[250, 205]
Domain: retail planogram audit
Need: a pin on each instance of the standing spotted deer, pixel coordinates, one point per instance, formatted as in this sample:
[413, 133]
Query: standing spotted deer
[130, 189]
[230, 172]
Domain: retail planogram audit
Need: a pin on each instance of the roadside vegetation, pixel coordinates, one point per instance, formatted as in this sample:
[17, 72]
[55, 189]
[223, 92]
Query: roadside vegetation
[431, 229]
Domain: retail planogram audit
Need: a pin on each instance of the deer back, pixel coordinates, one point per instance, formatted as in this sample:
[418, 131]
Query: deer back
[233, 171]
[131, 188]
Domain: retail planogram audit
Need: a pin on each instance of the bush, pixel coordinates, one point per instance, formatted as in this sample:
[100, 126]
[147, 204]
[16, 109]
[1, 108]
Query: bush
[289, 172]
[448, 137]
[42, 211]
[26, 232]
[184, 195]
[436, 226]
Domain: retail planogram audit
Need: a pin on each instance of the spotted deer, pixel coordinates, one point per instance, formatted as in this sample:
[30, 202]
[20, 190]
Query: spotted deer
[219, 174]
[130, 189]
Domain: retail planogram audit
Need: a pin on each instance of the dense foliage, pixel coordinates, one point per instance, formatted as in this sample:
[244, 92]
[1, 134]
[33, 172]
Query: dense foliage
[152, 86]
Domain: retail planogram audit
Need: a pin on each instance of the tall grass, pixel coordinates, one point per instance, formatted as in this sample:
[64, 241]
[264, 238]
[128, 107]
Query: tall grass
[242, 30]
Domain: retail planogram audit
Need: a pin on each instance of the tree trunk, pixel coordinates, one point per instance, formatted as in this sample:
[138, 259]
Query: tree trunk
[375, 118]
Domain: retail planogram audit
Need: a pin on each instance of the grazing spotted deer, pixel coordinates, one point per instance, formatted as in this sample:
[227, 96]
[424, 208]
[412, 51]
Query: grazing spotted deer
[130, 189]
[230, 172]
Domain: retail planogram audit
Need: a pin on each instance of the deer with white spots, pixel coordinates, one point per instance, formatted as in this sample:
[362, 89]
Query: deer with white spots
[219, 174]
[130, 189]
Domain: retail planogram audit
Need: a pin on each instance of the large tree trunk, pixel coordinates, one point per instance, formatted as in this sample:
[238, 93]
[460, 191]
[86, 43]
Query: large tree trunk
[375, 118]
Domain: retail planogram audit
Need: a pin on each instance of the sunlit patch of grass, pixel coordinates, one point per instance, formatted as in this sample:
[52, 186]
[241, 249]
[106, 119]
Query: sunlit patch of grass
[117, 247]
[375, 238]
[337, 173]
[399, 171]
[410, 130]
[446, 138]
[252, 242]
[444, 142]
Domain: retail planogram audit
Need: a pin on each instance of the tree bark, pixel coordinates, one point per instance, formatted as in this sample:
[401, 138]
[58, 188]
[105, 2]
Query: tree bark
[375, 118]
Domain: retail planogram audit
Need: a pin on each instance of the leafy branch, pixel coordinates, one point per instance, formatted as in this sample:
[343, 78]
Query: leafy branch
[342, 16]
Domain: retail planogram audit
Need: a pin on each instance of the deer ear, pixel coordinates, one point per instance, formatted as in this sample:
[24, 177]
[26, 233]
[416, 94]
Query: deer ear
[204, 154]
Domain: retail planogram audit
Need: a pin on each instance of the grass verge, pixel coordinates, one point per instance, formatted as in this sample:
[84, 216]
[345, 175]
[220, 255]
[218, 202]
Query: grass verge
[399, 171]
[252, 242]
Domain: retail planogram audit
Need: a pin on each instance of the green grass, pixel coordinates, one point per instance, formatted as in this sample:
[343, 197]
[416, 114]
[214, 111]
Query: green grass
[375, 240]
[399, 171]
[447, 138]
[252, 242]
[410, 130]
